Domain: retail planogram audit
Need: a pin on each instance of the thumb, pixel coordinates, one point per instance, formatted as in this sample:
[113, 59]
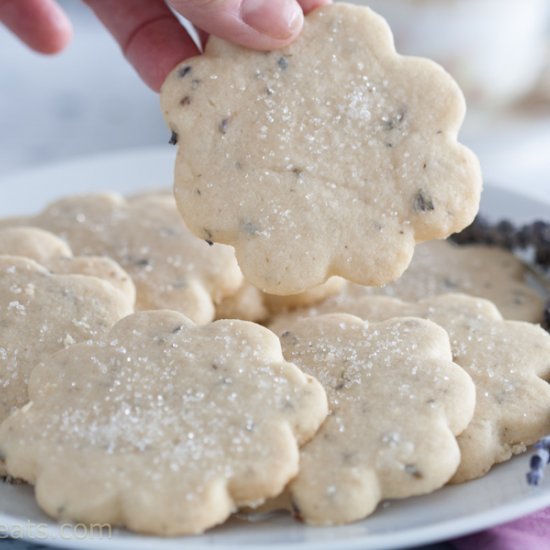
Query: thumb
[257, 24]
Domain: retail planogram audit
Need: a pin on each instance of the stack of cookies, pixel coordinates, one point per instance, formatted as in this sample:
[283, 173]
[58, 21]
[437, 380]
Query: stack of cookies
[176, 361]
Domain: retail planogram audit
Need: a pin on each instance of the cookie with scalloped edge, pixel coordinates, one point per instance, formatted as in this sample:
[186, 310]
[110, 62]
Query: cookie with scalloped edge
[152, 192]
[55, 255]
[441, 267]
[251, 304]
[163, 426]
[332, 156]
[246, 304]
[509, 362]
[14, 221]
[170, 267]
[397, 403]
[42, 313]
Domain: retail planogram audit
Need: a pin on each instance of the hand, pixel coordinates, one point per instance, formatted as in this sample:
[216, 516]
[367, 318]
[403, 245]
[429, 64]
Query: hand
[151, 37]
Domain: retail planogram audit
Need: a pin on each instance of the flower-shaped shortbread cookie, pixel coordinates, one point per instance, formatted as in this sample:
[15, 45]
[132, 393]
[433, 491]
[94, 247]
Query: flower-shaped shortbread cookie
[170, 267]
[163, 426]
[332, 156]
[42, 313]
[55, 255]
[397, 402]
[509, 362]
[251, 304]
[440, 267]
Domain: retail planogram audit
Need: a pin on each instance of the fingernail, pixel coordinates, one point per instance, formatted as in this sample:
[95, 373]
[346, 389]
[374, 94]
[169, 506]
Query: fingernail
[281, 19]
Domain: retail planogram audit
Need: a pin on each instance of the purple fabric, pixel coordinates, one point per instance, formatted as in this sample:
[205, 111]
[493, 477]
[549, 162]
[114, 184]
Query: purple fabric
[528, 533]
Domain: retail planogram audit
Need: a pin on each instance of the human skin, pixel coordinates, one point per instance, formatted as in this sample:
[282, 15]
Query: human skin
[149, 34]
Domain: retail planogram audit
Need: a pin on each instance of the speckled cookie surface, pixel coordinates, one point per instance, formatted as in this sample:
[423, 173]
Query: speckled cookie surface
[246, 304]
[251, 304]
[509, 362]
[440, 267]
[170, 267]
[32, 242]
[42, 313]
[163, 426]
[55, 255]
[332, 156]
[397, 401]
[276, 304]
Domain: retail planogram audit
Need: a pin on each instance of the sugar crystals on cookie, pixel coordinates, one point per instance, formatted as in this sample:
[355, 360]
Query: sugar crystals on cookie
[441, 267]
[55, 255]
[332, 156]
[170, 267]
[509, 362]
[397, 402]
[42, 313]
[163, 426]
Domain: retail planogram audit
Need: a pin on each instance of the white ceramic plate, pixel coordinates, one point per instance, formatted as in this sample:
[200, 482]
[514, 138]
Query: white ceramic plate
[453, 511]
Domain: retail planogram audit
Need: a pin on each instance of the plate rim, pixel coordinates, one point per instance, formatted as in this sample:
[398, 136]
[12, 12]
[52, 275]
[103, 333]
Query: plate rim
[411, 537]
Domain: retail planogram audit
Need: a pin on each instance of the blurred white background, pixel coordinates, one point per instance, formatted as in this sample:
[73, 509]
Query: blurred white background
[499, 52]
[89, 100]
[84, 100]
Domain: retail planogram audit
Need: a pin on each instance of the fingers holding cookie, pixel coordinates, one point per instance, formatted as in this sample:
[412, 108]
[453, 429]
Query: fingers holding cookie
[303, 184]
